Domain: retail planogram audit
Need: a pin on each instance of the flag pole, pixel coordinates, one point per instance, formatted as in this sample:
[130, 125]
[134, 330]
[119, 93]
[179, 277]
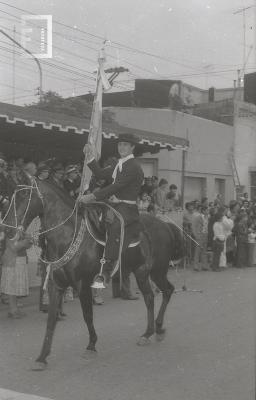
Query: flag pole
[95, 130]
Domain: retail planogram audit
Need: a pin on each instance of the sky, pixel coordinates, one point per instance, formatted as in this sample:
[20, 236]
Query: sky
[200, 42]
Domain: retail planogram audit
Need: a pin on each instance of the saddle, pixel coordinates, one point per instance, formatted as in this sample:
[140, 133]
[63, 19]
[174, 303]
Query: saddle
[96, 224]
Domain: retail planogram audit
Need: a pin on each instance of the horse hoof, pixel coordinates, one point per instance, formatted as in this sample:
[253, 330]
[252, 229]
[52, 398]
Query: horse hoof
[143, 341]
[39, 366]
[89, 354]
[160, 336]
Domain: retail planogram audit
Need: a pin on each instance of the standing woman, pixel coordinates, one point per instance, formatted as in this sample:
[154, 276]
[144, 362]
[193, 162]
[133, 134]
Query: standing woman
[218, 239]
[241, 233]
[228, 225]
[14, 281]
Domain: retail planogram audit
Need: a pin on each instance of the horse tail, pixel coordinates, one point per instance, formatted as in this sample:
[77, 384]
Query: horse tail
[177, 239]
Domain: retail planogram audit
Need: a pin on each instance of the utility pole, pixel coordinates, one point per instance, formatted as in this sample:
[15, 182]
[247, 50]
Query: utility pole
[243, 12]
[183, 171]
[40, 89]
[13, 66]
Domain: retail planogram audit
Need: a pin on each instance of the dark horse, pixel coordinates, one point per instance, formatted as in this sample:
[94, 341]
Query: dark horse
[160, 243]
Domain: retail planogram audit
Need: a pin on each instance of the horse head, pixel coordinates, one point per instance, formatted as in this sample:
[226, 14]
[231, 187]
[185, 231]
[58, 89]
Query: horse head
[26, 204]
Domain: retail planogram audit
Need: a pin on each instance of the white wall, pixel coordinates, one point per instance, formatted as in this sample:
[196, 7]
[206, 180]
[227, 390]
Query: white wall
[245, 140]
[210, 143]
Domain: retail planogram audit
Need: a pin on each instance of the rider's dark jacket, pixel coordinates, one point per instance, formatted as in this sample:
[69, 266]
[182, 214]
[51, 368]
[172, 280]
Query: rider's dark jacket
[127, 184]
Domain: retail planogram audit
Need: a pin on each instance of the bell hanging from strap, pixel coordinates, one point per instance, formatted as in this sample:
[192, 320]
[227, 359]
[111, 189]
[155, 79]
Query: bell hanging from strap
[98, 282]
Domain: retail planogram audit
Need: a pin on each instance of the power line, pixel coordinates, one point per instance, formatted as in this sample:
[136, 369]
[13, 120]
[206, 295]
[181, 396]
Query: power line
[116, 43]
[63, 89]
[52, 65]
[164, 77]
[119, 44]
[46, 73]
[91, 48]
[54, 46]
[77, 40]
[65, 51]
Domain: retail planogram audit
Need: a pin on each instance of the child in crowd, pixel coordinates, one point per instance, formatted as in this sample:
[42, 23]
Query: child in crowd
[144, 202]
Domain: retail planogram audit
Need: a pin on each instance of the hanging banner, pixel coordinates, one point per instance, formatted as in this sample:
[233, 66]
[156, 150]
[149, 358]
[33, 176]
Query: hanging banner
[95, 131]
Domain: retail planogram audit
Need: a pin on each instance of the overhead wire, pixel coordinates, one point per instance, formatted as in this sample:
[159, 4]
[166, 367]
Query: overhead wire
[129, 63]
[46, 73]
[44, 62]
[133, 49]
[65, 51]
[119, 46]
[54, 46]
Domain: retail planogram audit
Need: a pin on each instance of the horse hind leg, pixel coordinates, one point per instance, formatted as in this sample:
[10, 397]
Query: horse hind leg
[142, 278]
[86, 301]
[167, 290]
[54, 301]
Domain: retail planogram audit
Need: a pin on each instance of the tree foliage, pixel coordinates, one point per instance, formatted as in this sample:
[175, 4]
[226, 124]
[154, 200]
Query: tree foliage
[53, 102]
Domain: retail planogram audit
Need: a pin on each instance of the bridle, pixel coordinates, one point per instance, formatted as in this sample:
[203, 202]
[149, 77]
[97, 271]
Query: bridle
[30, 188]
[21, 188]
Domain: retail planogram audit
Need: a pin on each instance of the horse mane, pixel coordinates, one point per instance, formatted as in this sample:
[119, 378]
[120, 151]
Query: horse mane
[70, 202]
[60, 193]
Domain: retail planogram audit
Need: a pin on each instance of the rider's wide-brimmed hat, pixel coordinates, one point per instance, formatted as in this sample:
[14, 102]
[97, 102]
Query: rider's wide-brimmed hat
[128, 138]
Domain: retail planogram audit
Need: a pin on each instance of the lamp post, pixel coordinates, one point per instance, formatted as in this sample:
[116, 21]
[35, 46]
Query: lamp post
[36, 60]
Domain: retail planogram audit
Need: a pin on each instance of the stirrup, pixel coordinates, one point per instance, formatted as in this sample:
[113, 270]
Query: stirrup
[98, 282]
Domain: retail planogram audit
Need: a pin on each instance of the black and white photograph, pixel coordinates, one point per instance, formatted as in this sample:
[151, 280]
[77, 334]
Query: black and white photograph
[127, 199]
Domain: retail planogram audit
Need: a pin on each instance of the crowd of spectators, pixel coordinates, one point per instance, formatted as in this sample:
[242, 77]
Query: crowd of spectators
[21, 172]
[223, 231]
[158, 197]
[217, 235]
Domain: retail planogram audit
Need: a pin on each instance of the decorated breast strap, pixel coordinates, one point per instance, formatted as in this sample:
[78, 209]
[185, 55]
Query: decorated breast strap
[70, 253]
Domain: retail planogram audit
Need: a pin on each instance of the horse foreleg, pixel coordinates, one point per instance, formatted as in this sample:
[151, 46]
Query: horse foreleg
[54, 301]
[142, 278]
[167, 290]
[85, 296]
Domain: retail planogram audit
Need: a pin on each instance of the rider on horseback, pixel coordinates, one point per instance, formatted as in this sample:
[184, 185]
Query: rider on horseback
[127, 178]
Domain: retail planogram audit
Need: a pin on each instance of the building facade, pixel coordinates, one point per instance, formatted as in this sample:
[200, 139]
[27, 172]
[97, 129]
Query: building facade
[245, 145]
[207, 166]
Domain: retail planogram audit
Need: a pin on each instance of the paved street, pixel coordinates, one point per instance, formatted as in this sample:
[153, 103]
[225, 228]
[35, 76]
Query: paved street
[208, 353]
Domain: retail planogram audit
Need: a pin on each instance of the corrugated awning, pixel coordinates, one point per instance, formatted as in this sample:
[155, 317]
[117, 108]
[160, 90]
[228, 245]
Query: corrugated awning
[31, 125]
